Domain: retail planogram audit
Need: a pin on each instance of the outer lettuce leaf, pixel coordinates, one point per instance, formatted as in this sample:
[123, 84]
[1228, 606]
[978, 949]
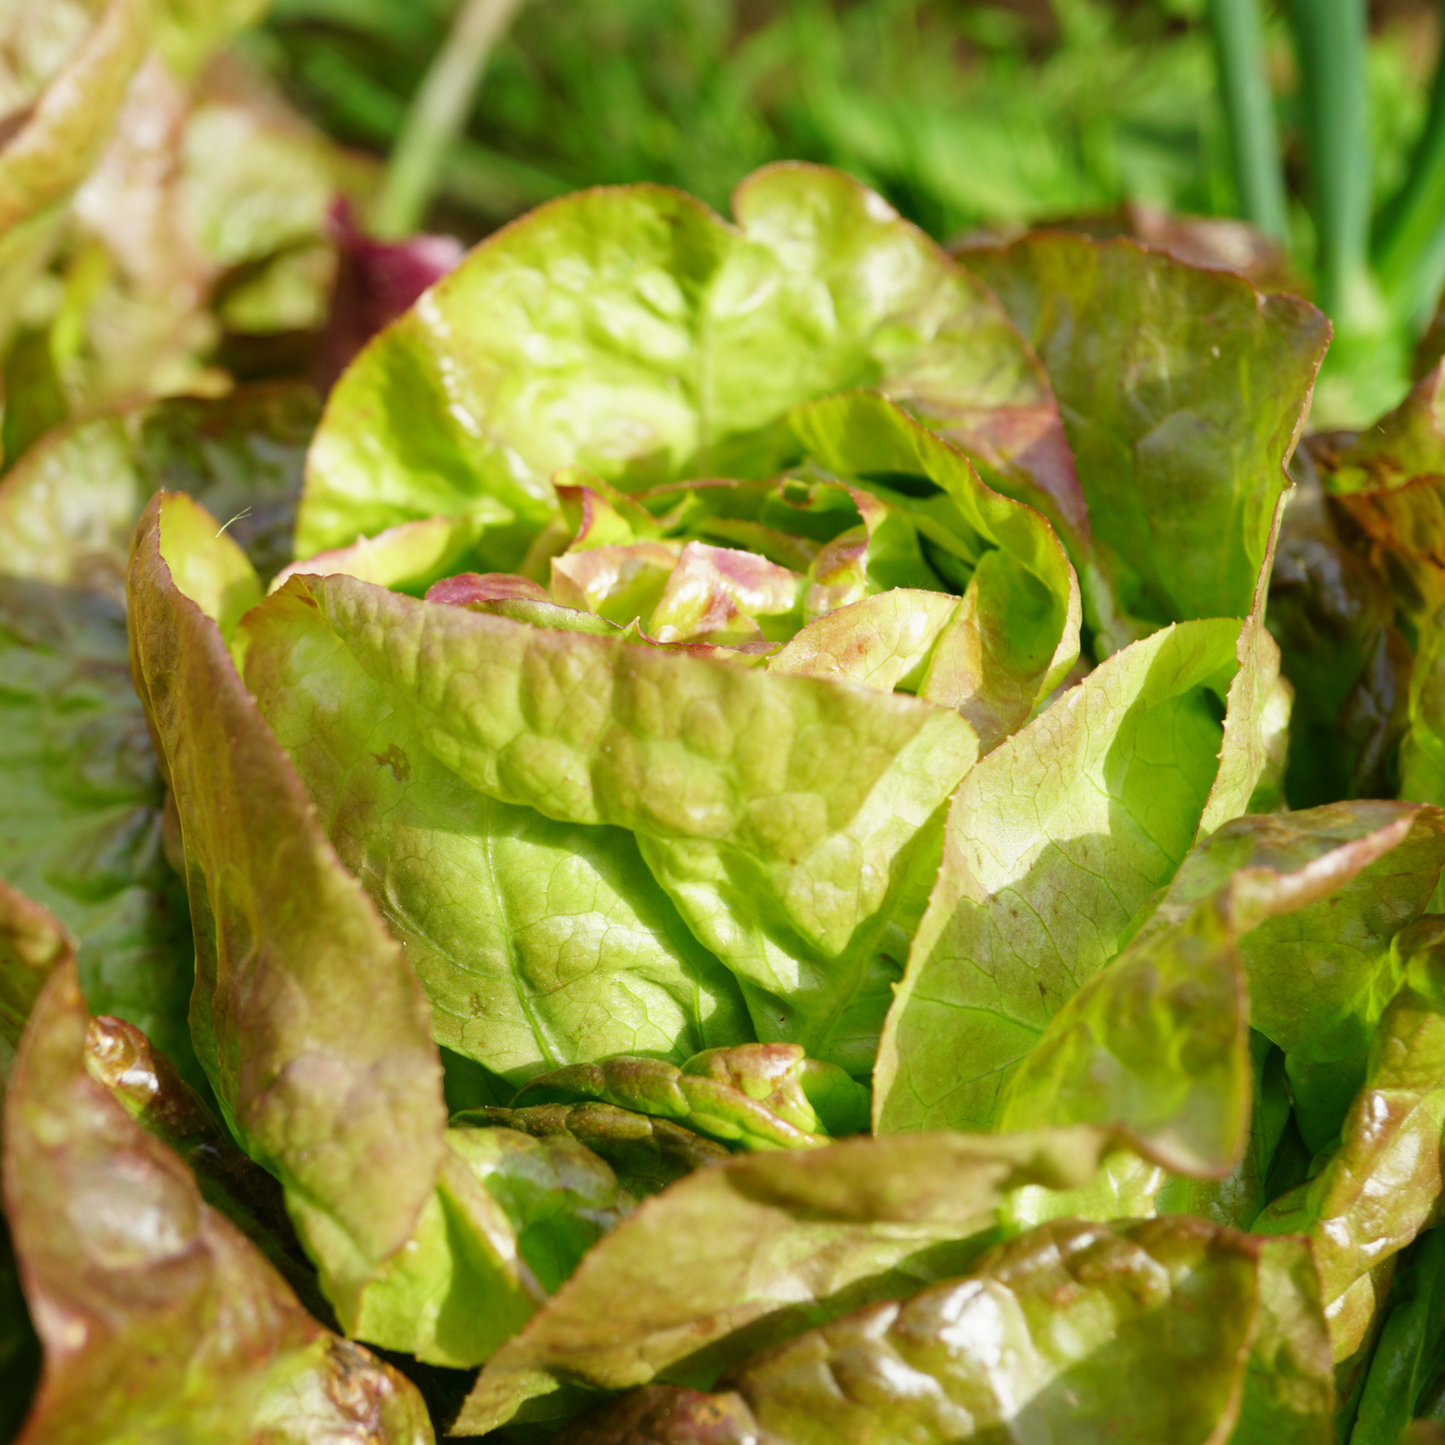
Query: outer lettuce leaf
[309, 1023]
[1304, 905]
[80, 795]
[1053, 841]
[1384, 1183]
[758, 1249]
[147, 1087]
[1182, 393]
[791, 822]
[1410, 1347]
[1098, 1330]
[1080, 1331]
[67, 510]
[159, 1318]
[1333, 614]
[1389, 480]
[80, 802]
[32, 942]
[631, 331]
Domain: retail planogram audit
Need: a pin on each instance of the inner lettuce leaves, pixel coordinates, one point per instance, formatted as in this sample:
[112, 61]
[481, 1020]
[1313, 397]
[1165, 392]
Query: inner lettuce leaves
[633, 332]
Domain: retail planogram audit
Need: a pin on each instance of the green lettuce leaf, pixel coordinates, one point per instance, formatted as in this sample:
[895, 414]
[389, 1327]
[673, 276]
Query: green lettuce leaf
[558, 1196]
[158, 1317]
[1182, 392]
[1289, 1382]
[1158, 1042]
[1352, 877]
[1411, 1347]
[569, 951]
[758, 1249]
[1053, 842]
[790, 823]
[670, 345]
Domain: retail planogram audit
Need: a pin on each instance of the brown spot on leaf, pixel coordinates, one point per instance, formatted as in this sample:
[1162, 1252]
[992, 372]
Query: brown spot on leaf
[396, 760]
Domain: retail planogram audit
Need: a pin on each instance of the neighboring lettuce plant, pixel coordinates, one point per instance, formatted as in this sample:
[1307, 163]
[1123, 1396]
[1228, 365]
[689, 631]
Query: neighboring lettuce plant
[739, 864]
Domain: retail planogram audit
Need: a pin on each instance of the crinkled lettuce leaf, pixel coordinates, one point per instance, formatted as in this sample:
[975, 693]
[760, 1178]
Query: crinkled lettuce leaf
[757, 1250]
[790, 824]
[633, 332]
[1318, 954]
[1383, 1185]
[1154, 1330]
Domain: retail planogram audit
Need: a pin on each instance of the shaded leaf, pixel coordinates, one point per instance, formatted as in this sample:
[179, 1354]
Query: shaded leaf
[647, 1154]
[761, 1096]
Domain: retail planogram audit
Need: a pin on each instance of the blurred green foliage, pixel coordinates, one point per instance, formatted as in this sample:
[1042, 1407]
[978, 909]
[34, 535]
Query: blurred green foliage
[962, 114]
